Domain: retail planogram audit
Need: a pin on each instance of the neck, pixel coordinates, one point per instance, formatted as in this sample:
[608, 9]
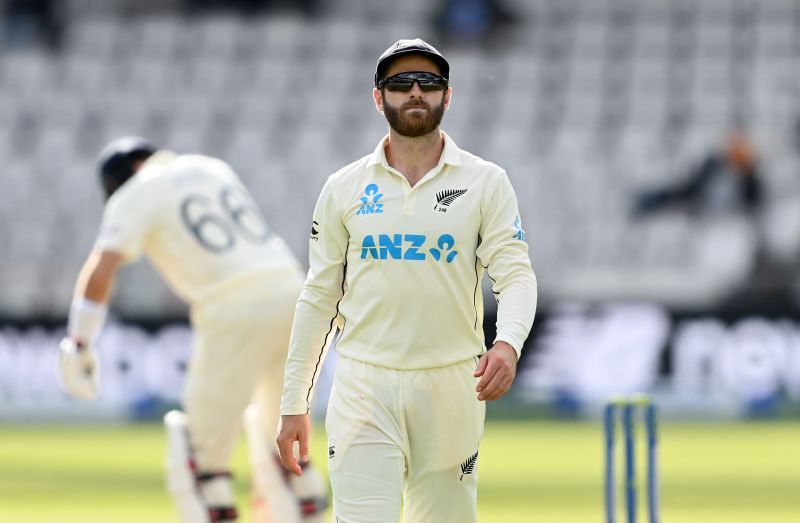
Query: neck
[414, 157]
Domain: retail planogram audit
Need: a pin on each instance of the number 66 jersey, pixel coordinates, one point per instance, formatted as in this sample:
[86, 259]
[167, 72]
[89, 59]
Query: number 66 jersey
[198, 224]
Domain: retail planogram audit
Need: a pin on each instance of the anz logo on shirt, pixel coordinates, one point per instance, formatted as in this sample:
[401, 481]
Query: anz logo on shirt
[411, 247]
[369, 202]
[520, 234]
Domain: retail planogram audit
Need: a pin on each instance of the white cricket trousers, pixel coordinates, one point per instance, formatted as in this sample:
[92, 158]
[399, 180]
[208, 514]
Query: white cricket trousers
[404, 440]
[241, 340]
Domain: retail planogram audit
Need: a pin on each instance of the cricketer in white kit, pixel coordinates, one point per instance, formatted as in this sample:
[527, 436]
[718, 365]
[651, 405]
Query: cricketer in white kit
[197, 223]
[400, 242]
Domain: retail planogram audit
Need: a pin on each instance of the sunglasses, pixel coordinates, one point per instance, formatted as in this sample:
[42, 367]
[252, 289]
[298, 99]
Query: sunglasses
[403, 82]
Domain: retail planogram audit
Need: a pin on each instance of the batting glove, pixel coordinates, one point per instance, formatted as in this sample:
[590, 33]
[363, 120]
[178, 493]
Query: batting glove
[78, 369]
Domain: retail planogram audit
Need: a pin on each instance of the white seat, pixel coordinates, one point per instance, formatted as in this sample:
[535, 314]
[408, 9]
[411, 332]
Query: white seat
[652, 38]
[276, 36]
[270, 76]
[775, 10]
[711, 12]
[335, 77]
[55, 142]
[515, 112]
[217, 36]
[94, 36]
[714, 41]
[587, 76]
[207, 76]
[257, 110]
[590, 37]
[246, 151]
[6, 145]
[20, 281]
[185, 140]
[32, 238]
[151, 76]
[157, 36]
[775, 38]
[19, 176]
[583, 110]
[647, 109]
[140, 291]
[83, 74]
[726, 249]
[342, 37]
[26, 68]
[781, 230]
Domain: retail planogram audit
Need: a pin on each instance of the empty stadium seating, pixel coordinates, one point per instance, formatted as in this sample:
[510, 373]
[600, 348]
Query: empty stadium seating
[586, 102]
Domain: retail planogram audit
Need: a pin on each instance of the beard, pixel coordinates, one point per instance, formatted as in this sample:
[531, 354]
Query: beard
[416, 124]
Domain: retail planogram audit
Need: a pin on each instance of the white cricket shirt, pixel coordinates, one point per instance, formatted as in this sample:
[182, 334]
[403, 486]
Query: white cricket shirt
[196, 222]
[398, 268]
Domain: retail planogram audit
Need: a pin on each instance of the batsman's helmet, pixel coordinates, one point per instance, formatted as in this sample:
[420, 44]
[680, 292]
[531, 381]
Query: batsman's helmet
[404, 47]
[119, 159]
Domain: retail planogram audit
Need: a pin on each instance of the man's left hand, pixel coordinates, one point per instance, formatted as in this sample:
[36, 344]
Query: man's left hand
[496, 370]
[78, 369]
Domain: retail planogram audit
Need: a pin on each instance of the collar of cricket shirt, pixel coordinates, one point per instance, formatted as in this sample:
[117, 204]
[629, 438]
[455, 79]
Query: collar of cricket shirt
[451, 154]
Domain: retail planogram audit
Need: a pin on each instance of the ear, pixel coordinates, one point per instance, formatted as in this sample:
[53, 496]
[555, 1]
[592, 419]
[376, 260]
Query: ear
[448, 95]
[377, 96]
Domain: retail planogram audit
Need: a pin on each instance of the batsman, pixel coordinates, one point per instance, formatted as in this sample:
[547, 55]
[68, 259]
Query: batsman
[197, 223]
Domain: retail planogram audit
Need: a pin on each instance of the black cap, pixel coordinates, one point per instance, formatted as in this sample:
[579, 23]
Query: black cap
[118, 160]
[404, 47]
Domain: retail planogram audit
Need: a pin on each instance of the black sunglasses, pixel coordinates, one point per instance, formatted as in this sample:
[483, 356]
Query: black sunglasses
[403, 82]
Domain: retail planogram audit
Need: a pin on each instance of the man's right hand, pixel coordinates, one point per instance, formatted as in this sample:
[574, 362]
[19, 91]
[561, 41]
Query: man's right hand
[294, 428]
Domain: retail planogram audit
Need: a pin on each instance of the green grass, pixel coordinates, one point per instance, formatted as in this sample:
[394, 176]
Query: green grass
[530, 472]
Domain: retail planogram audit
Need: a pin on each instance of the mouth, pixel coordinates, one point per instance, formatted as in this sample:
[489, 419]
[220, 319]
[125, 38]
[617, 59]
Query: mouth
[409, 107]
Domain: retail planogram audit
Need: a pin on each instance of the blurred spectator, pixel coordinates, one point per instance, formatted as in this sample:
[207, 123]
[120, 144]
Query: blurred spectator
[472, 21]
[728, 180]
[30, 23]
